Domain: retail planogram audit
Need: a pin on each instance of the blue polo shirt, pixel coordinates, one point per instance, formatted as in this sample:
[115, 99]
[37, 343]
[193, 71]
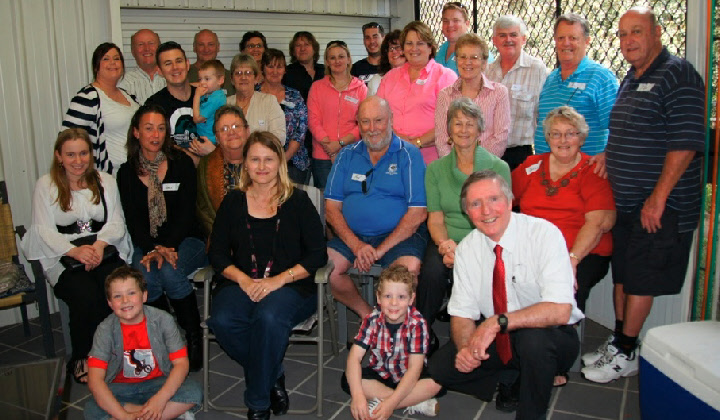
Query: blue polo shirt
[661, 111]
[394, 184]
[591, 90]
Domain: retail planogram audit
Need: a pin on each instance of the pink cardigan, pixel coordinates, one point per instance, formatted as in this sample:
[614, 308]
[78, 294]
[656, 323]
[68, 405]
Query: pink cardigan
[333, 113]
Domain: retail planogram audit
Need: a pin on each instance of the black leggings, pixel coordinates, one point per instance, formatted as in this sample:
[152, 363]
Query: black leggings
[84, 293]
[590, 271]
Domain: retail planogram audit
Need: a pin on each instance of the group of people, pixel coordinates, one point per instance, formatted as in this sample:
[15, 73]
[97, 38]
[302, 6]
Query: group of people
[423, 153]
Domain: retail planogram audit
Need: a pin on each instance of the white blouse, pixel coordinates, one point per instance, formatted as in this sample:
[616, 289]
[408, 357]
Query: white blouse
[116, 117]
[264, 114]
[43, 242]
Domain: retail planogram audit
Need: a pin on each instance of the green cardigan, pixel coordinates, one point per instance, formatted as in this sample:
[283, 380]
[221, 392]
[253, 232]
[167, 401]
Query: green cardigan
[443, 182]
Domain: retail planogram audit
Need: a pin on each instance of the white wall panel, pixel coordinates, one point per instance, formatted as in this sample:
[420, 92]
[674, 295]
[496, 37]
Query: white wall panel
[339, 7]
[230, 25]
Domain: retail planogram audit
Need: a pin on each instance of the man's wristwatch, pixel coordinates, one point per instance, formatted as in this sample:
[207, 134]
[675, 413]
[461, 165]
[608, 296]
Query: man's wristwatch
[342, 143]
[419, 143]
[503, 323]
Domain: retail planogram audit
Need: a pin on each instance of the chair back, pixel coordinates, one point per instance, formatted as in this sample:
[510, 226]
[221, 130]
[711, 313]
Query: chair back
[8, 246]
[317, 198]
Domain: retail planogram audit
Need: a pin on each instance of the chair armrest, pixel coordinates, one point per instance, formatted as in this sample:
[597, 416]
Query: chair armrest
[323, 274]
[204, 275]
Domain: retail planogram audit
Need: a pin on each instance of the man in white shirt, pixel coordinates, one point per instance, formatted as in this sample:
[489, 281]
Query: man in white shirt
[146, 79]
[524, 76]
[524, 321]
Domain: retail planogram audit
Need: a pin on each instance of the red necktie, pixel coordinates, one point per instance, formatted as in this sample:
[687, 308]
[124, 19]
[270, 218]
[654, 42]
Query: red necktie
[502, 340]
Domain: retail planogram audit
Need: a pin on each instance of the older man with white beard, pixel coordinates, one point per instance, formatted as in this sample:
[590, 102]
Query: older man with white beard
[375, 203]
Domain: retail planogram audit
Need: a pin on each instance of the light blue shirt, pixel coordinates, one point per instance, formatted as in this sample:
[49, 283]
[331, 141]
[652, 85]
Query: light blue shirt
[451, 63]
[591, 90]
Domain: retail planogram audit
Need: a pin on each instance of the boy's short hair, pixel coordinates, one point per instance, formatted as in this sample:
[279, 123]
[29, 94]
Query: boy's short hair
[123, 273]
[216, 65]
[396, 274]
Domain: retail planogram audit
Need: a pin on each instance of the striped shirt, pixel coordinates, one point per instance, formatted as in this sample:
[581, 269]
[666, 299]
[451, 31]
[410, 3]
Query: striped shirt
[659, 112]
[524, 82]
[495, 105]
[137, 82]
[591, 90]
[390, 354]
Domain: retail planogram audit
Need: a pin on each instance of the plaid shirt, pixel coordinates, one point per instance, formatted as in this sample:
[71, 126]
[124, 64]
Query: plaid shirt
[389, 355]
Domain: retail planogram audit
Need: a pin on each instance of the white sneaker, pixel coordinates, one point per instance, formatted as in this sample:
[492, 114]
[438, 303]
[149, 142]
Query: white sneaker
[428, 407]
[590, 358]
[614, 365]
[372, 404]
[188, 415]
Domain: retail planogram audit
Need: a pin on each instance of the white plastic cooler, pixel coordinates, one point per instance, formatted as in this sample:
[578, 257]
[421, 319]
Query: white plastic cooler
[680, 372]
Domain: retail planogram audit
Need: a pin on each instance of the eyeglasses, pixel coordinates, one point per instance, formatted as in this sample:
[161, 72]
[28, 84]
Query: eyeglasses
[556, 135]
[254, 45]
[472, 57]
[248, 73]
[454, 4]
[394, 48]
[234, 127]
[336, 42]
[365, 183]
[372, 25]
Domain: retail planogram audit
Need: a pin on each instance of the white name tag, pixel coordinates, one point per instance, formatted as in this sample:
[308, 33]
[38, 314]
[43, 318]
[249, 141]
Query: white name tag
[516, 88]
[645, 87]
[421, 81]
[261, 122]
[351, 99]
[172, 186]
[358, 177]
[533, 168]
[287, 104]
[521, 96]
[576, 85]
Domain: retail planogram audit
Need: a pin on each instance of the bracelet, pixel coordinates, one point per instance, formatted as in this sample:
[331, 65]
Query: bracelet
[291, 274]
[342, 143]
[419, 143]
[572, 255]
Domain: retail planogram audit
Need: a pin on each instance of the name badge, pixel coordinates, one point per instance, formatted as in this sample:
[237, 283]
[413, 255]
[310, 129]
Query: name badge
[287, 104]
[533, 168]
[420, 81]
[171, 186]
[261, 122]
[576, 85]
[358, 177]
[645, 87]
[516, 88]
[351, 99]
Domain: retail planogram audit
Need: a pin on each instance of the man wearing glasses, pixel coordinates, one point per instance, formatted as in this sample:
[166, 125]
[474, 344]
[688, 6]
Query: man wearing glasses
[373, 35]
[375, 203]
[177, 100]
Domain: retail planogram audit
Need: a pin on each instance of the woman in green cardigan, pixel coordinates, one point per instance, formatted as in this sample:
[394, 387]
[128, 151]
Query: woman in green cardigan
[446, 221]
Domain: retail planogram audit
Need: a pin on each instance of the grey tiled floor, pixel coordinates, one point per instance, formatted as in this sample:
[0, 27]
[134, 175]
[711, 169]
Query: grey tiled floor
[579, 399]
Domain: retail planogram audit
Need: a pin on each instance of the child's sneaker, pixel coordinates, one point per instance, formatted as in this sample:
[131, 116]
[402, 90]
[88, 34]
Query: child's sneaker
[372, 404]
[188, 415]
[428, 407]
[590, 358]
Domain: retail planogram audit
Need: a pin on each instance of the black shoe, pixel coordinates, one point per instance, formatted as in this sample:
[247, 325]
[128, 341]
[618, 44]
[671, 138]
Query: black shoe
[508, 397]
[434, 343]
[279, 399]
[258, 414]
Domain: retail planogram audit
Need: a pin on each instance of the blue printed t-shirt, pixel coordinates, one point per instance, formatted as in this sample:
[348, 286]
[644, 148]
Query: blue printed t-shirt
[591, 90]
[208, 105]
[394, 184]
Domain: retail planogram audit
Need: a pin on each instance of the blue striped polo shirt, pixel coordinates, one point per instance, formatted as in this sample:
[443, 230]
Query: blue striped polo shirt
[591, 90]
[661, 111]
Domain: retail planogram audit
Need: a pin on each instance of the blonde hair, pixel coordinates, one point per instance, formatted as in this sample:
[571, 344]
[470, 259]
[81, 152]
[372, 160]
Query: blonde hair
[284, 185]
[473, 40]
[337, 44]
[91, 177]
[396, 274]
[456, 5]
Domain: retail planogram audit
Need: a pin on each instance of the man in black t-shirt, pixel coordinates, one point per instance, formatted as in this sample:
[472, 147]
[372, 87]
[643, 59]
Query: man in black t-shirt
[373, 34]
[177, 100]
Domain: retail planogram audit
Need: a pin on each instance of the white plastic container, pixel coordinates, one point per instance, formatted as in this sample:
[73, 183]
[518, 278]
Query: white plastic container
[680, 372]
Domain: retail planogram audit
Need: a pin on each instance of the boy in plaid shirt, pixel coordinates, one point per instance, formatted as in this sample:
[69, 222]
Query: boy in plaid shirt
[397, 337]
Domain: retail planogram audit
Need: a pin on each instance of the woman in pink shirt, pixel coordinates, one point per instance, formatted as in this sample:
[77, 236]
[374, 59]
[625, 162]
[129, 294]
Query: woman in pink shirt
[412, 90]
[471, 53]
[332, 107]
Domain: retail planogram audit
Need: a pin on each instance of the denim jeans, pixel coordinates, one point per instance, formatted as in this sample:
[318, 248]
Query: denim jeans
[256, 334]
[173, 281]
[320, 171]
[190, 392]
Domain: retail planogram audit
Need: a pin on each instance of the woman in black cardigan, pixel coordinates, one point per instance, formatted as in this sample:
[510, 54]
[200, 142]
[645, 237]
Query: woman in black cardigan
[266, 244]
[158, 187]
